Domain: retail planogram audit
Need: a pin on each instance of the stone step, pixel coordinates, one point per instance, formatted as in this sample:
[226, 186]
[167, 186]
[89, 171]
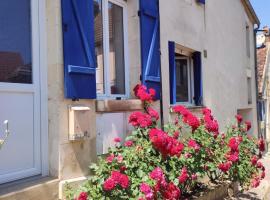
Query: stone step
[38, 188]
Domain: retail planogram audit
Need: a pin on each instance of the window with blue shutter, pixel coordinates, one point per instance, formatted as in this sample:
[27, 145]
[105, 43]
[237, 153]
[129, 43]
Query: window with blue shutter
[185, 77]
[150, 44]
[79, 49]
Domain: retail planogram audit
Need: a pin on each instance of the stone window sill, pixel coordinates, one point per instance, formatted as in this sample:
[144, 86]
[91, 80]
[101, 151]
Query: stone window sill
[130, 105]
[197, 110]
[190, 107]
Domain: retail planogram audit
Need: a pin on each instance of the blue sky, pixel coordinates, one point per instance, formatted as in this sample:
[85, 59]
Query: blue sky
[262, 8]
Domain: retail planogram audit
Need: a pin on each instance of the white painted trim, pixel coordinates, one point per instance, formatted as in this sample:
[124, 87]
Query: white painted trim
[43, 88]
[38, 41]
[36, 84]
[106, 48]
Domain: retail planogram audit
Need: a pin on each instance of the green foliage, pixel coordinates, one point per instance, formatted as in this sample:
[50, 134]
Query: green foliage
[204, 151]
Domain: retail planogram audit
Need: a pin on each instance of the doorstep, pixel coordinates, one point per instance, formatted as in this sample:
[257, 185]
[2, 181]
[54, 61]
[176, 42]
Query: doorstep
[41, 188]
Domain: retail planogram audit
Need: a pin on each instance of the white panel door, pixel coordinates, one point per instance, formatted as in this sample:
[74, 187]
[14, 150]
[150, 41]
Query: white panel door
[19, 89]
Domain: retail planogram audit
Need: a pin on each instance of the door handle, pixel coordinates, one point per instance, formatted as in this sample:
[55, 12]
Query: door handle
[6, 134]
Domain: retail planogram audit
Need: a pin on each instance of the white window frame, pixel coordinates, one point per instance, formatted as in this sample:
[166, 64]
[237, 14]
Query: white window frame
[106, 50]
[190, 101]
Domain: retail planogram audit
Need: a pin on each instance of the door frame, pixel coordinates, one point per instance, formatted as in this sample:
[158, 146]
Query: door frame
[43, 88]
[39, 41]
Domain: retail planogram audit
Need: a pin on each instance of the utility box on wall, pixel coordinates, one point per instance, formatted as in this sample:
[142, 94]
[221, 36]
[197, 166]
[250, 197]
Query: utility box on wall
[79, 122]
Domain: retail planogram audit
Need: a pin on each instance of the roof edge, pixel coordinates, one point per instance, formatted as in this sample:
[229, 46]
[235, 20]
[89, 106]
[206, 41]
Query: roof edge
[250, 10]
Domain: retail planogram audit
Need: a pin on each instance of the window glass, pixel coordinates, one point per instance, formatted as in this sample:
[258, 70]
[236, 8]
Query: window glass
[182, 79]
[248, 40]
[99, 46]
[116, 52]
[15, 41]
[249, 90]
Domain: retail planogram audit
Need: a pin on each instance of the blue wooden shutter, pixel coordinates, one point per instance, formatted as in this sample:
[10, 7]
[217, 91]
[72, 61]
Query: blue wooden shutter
[79, 49]
[172, 72]
[197, 78]
[201, 1]
[150, 44]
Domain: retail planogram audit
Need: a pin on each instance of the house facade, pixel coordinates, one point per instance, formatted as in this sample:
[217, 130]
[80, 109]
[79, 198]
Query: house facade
[68, 69]
[263, 60]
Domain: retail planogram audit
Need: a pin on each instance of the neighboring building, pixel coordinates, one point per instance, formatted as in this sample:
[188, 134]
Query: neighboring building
[85, 57]
[263, 70]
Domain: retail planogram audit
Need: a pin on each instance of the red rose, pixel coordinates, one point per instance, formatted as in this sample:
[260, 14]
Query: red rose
[239, 118]
[117, 140]
[123, 168]
[255, 182]
[206, 111]
[225, 166]
[128, 143]
[176, 134]
[124, 181]
[172, 192]
[248, 125]
[109, 184]
[152, 92]
[82, 196]
[116, 178]
[254, 160]
[120, 159]
[157, 174]
[184, 175]
[110, 158]
[187, 116]
[153, 113]
[141, 92]
[194, 176]
[165, 144]
[139, 119]
[144, 121]
[261, 145]
[188, 155]
[145, 188]
[211, 124]
[233, 157]
[233, 144]
[260, 165]
[193, 144]
[263, 175]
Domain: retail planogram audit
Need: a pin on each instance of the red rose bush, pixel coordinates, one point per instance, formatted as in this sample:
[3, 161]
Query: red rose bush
[169, 163]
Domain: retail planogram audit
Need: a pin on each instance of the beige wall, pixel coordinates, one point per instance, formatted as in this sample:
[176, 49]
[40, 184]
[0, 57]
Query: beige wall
[219, 27]
[71, 159]
[66, 159]
[209, 28]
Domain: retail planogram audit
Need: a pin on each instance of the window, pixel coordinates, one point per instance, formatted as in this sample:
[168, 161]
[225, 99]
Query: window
[15, 40]
[185, 66]
[184, 79]
[110, 48]
[249, 85]
[248, 40]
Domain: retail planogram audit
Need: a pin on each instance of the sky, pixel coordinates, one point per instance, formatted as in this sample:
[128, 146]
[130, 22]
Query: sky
[262, 8]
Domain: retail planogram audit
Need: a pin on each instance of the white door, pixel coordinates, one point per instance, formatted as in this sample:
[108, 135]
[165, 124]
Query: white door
[19, 89]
